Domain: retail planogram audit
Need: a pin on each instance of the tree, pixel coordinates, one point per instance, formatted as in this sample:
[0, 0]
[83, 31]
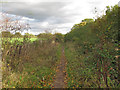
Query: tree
[58, 37]
[88, 20]
[12, 24]
[6, 34]
[32, 36]
[26, 37]
[18, 34]
[83, 23]
[45, 35]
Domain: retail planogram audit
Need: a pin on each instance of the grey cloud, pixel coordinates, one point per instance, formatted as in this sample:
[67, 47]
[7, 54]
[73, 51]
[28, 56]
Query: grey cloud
[55, 13]
[43, 11]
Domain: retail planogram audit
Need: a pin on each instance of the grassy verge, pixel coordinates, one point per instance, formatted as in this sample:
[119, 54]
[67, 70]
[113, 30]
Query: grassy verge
[79, 73]
[34, 67]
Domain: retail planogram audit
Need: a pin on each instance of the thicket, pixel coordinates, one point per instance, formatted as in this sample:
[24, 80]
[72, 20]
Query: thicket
[94, 47]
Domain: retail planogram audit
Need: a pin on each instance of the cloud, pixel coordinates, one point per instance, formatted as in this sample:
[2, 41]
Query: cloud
[41, 11]
[55, 15]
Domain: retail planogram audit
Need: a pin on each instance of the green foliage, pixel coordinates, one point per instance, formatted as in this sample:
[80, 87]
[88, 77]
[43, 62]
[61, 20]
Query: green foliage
[94, 49]
[58, 37]
[44, 35]
[6, 34]
[90, 50]
[26, 37]
[17, 35]
[88, 20]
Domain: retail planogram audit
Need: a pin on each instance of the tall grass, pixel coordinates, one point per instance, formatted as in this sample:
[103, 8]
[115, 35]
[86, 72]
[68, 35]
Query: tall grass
[29, 64]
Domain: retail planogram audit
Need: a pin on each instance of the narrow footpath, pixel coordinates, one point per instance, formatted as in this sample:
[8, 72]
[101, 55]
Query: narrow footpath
[60, 72]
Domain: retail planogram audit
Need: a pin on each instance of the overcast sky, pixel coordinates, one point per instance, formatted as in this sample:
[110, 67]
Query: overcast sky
[54, 15]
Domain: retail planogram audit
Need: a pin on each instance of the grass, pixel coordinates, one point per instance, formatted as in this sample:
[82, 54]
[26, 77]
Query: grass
[12, 40]
[79, 74]
[34, 67]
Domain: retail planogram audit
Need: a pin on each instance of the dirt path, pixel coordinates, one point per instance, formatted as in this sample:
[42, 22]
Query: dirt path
[60, 73]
